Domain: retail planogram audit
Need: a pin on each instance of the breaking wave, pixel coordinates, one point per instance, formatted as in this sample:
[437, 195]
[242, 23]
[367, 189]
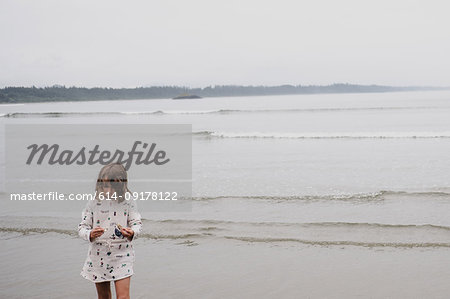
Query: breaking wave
[217, 111]
[342, 243]
[344, 197]
[347, 135]
[398, 229]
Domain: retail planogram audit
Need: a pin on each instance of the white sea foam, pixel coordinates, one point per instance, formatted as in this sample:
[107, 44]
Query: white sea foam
[325, 135]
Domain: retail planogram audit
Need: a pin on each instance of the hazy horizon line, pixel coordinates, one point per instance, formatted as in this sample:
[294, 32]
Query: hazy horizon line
[226, 85]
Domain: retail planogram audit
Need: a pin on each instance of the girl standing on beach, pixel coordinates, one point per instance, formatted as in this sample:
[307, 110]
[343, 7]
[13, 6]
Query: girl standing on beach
[110, 226]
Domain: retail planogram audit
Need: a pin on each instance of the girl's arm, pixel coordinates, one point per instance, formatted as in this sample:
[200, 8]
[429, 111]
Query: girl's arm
[134, 219]
[86, 224]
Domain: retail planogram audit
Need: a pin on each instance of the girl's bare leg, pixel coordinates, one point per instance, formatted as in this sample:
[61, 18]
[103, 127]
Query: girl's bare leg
[103, 290]
[123, 288]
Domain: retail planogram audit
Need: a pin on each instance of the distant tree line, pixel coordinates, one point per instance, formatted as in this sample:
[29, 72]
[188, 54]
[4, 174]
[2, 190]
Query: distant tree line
[62, 93]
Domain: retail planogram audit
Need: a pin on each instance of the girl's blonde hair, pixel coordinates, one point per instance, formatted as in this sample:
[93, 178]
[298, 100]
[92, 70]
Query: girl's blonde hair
[114, 174]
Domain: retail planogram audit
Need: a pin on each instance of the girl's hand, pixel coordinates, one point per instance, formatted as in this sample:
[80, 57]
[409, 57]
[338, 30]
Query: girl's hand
[96, 232]
[127, 232]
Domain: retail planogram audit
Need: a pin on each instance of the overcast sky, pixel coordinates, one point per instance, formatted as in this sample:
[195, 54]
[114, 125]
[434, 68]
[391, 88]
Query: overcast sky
[247, 42]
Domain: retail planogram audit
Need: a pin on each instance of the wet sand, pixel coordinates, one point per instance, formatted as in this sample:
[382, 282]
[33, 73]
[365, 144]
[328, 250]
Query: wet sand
[47, 265]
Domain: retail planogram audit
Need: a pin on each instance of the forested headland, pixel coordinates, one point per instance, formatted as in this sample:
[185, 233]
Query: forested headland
[63, 93]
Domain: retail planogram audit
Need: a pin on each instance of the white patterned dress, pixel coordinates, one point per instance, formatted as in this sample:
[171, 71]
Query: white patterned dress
[111, 255]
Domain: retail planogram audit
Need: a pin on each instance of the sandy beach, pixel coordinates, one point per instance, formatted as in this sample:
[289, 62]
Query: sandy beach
[218, 268]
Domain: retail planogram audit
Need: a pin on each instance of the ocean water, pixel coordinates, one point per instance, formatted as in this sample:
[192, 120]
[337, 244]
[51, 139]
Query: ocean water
[377, 158]
[337, 170]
